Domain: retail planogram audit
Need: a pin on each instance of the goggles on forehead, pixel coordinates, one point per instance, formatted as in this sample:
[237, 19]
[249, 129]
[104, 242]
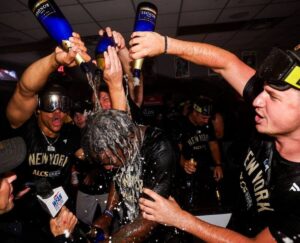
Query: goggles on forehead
[281, 69]
[206, 110]
[52, 102]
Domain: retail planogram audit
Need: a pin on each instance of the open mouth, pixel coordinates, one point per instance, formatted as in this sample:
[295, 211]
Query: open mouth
[56, 121]
[258, 117]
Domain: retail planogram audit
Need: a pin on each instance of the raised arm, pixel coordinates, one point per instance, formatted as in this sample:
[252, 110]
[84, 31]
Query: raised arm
[113, 77]
[136, 92]
[24, 100]
[236, 72]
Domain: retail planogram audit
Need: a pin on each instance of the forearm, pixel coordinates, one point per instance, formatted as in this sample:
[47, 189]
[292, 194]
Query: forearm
[221, 61]
[118, 98]
[125, 60]
[205, 231]
[215, 151]
[137, 231]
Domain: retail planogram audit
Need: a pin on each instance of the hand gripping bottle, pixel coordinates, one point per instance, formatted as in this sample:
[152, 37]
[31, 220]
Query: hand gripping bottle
[145, 20]
[55, 24]
[104, 42]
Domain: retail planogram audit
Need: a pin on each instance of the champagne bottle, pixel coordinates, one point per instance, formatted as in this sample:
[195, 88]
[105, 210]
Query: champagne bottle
[56, 25]
[190, 184]
[218, 194]
[104, 42]
[145, 20]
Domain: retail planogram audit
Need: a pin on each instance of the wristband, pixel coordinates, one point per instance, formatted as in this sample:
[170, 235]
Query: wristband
[166, 44]
[108, 213]
[218, 165]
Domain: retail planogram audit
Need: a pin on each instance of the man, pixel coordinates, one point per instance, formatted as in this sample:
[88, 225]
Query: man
[91, 180]
[79, 113]
[269, 177]
[12, 154]
[199, 151]
[142, 156]
[50, 142]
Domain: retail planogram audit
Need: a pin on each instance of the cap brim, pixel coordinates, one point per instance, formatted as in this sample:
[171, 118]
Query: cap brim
[278, 85]
[12, 153]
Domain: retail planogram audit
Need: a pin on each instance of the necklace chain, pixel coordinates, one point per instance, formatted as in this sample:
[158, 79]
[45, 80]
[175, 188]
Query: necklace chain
[48, 142]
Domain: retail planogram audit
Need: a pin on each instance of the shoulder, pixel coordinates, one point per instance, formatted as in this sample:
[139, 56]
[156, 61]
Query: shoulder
[157, 146]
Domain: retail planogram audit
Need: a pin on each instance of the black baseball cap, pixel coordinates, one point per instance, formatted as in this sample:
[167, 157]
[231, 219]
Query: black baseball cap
[12, 153]
[80, 107]
[203, 105]
[281, 69]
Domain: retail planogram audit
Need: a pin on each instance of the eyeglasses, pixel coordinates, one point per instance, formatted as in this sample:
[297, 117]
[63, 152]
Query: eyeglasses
[52, 102]
[281, 69]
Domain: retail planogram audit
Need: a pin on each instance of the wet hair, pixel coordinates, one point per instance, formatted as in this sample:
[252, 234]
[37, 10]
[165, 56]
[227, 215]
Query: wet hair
[114, 130]
[103, 87]
[109, 130]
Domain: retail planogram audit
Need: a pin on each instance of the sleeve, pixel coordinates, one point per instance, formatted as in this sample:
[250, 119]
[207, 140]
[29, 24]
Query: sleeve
[253, 87]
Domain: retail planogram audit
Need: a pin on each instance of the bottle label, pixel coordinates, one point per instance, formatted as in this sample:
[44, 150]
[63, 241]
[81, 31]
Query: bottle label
[145, 20]
[53, 21]
[43, 9]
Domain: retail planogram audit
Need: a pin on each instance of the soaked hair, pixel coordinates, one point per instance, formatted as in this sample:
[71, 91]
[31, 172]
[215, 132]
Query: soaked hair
[109, 130]
[113, 130]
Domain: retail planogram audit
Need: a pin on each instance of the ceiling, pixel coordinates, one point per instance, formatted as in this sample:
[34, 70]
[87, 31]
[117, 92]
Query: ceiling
[233, 24]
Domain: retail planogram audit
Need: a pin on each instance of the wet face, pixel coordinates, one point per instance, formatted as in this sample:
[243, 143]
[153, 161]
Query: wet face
[6, 192]
[79, 119]
[277, 112]
[111, 160]
[51, 121]
[104, 100]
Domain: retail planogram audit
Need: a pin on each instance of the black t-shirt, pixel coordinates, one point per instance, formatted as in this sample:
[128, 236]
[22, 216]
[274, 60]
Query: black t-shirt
[195, 141]
[52, 162]
[270, 185]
